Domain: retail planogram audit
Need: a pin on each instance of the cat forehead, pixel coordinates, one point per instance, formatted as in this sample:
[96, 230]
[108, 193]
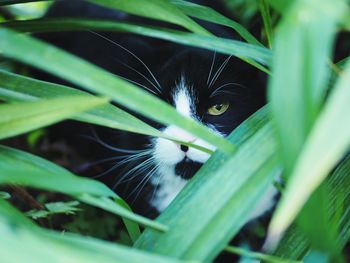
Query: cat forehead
[183, 98]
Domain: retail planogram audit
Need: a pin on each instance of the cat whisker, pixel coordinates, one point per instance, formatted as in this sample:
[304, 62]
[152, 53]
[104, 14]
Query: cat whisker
[141, 167]
[126, 159]
[217, 90]
[219, 71]
[97, 139]
[143, 182]
[211, 67]
[128, 51]
[140, 85]
[142, 75]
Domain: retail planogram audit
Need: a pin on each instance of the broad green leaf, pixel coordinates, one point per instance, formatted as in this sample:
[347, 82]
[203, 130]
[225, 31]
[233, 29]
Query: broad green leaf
[209, 14]
[226, 46]
[217, 202]
[321, 148]
[155, 9]
[22, 241]
[20, 117]
[14, 87]
[297, 94]
[78, 71]
[18, 167]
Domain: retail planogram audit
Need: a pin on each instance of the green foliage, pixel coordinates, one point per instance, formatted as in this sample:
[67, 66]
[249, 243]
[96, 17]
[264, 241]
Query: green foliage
[303, 132]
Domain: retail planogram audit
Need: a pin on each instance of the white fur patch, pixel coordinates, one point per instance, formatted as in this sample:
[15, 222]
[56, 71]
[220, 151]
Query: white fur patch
[182, 99]
[168, 185]
[167, 153]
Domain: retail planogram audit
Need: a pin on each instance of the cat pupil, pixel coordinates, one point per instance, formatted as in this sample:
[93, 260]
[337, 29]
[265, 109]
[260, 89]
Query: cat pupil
[218, 107]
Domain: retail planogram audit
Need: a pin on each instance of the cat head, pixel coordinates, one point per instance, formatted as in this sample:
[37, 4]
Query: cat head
[216, 90]
[213, 89]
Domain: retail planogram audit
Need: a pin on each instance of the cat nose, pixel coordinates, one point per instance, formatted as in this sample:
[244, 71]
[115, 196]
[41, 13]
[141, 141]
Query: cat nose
[183, 148]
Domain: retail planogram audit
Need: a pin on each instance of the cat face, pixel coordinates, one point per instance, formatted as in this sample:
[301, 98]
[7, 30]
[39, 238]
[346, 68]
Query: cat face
[202, 86]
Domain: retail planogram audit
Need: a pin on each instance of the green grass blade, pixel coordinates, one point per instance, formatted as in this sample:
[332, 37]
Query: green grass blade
[154, 9]
[22, 168]
[265, 14]
[210, 15]
[194, 232]
[321, 148]
[22, 241]
[258, 256]
[226, 46]
[78, 71]
[297, 94]
[14, 87]
[12, 2]
[21, 117]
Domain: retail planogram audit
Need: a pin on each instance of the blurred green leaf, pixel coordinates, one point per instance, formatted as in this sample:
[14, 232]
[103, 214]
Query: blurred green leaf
[280, 5]
[68, 208]
[22, 241]
[22, 168]
[208, 14]
[218, 201]
[4, 195]
[154, 9]
[298, 93]
[321, 148]
[20, 117]
[12, 2]
[257, 256]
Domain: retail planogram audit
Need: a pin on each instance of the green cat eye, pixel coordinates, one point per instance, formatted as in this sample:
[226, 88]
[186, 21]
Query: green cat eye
[218, 109]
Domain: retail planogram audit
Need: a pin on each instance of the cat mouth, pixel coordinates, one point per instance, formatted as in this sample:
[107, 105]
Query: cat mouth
[187, 168]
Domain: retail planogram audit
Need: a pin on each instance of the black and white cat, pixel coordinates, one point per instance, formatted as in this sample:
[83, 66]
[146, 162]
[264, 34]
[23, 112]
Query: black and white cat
[217, 90]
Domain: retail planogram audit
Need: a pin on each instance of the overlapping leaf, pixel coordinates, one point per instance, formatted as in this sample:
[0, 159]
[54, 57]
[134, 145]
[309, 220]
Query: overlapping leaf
[78, 71]
[18, 167]
[219, 199]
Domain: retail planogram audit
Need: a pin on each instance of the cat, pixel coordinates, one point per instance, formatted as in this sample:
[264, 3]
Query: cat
[217, 90]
